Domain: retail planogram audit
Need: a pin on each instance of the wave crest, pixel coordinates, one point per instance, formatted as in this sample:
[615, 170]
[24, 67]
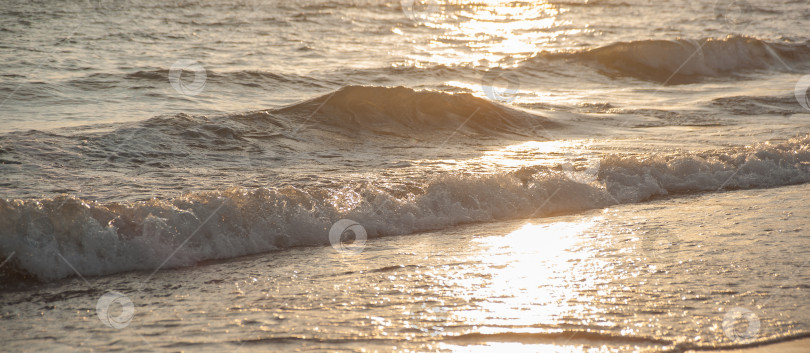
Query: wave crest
[683, 61]
[405, 112]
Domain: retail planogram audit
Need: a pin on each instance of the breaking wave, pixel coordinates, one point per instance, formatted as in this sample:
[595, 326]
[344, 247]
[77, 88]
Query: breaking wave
[53, 238]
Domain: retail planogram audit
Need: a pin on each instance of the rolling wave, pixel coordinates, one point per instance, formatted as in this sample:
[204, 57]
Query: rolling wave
[406, 112]
[376, 112]
[676, 61]
[683, 61]
[53, 238]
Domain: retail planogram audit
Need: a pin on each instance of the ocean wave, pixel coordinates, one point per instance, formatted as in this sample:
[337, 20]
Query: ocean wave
[377, 113]
[639, 178]
[406, 112]
[683, 61]
[676, 61]
[53, 238]
[385, 111]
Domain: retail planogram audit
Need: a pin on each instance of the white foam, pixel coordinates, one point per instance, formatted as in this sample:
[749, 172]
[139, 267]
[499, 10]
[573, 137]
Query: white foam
[52, 237]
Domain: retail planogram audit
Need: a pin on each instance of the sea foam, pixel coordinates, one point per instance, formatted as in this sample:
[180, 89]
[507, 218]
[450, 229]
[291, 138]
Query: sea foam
[58, 237]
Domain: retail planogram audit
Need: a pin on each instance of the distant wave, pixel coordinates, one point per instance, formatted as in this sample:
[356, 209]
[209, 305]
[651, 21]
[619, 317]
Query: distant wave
[102, 238]
[677, 61]
[684, 61]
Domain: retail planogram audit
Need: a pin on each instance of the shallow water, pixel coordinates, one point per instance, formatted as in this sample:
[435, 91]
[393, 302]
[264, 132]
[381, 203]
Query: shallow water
[651, 276]
[188, 154]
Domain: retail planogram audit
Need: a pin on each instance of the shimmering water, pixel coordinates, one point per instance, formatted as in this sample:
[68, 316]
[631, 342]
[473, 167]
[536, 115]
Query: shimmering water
[648, 277]
[571, 175]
